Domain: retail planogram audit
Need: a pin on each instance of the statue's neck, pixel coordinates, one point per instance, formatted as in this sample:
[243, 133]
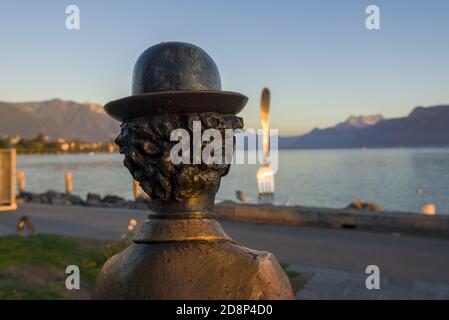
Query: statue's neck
[202, 203]
[178, 221]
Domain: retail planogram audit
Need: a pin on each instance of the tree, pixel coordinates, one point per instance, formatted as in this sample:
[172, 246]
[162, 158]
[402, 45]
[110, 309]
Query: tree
[5, 142]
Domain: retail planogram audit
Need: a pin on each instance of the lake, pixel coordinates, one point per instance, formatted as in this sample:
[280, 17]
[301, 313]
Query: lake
[327, 178]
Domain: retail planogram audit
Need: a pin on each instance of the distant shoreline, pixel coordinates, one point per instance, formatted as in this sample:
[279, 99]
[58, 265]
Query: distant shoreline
[64, 153]
[280, 149]
[43, 145]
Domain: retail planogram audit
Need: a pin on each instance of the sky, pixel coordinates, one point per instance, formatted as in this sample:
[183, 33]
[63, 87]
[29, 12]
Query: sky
[317, 57]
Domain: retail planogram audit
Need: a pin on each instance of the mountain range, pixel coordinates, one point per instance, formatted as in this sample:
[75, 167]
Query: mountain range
[423, 127]
[57, 119]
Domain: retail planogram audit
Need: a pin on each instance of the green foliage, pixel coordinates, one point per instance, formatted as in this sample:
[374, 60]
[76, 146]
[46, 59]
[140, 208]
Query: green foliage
[40, 144]
[5, 143]
[24, 291]
[25, 260]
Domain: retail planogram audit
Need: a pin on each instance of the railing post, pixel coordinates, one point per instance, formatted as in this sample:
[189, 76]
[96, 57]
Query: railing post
[21, 181]
[7, 180]
[68, 182]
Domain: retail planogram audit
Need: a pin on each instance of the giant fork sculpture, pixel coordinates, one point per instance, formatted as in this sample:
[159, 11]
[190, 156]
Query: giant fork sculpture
[265, 174]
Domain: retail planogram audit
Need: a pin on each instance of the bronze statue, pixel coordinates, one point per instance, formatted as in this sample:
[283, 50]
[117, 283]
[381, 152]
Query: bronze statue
[181, 251]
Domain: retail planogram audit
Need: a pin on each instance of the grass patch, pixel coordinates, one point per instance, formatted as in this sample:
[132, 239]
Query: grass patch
[33, 267]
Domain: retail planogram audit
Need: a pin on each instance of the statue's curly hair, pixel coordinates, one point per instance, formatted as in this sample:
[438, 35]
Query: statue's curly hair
[145, 142]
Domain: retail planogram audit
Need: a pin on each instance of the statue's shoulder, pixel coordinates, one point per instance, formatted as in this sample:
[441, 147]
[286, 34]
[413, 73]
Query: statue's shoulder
[136, 273]
[264, 274]
[111, 276]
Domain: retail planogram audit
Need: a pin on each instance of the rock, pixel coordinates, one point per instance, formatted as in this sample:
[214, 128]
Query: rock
[362, 205]
[93, 200]
[429, 209]
[71, 199]
[114, 201]
[241, 196]
[59, 198]
[356, 204]
[51, 197]
[44, 199]
[27, 197]
[58, 201]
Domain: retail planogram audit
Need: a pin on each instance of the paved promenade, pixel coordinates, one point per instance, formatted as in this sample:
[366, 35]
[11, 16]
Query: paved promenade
[331, 261]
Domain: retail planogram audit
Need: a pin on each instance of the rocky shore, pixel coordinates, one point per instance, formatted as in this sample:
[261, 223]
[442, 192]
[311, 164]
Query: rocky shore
[113, 201]
[92, 200]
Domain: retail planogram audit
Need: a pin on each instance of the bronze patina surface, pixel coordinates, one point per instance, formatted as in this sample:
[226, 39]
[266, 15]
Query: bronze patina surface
[192, 270]
[175, 77]
[182, 251]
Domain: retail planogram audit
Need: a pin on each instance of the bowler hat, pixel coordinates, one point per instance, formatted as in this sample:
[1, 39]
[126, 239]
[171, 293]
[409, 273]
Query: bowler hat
[175, 77]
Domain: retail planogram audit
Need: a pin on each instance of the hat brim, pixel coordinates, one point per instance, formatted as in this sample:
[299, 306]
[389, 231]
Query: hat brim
[175, 102]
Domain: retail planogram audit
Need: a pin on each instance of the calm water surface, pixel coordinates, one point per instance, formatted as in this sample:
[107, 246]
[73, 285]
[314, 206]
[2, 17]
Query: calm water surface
[329, 178]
